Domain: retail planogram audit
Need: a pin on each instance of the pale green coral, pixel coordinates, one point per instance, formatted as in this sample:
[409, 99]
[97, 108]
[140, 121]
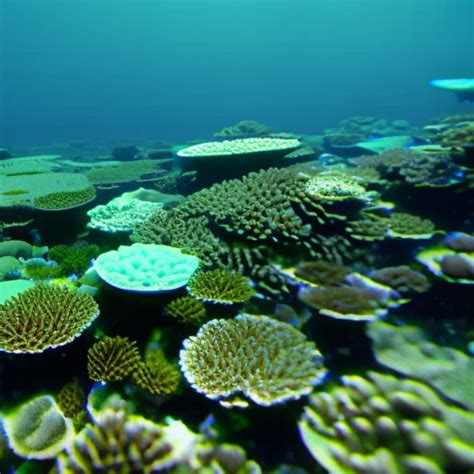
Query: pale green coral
[267, 361]
[37, 429]
[384, 424]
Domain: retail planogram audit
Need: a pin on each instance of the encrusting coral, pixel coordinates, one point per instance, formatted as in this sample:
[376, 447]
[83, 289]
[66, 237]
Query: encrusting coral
[44, 317]
[37, 429]
[112, 359]
[379, 423]
[265, 360]
[220, 286]
[186, 309]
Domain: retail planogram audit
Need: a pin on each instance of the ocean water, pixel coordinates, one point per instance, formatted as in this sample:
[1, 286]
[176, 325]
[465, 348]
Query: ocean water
[236, 236]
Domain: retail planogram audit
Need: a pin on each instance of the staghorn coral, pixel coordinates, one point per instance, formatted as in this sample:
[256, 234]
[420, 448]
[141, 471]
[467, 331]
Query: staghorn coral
[37, 429]
[263, 359]
[408, 350]
[186, 310]
[112, 359]
[44, 317]
[220, 286]
[321, 272]
[156, 375]
[402, 279]
[379, 423]
[244, 128]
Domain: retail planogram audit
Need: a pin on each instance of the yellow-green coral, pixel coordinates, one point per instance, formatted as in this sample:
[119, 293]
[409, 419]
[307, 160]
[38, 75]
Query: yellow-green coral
[37, 429]
[71, 398]
[64, 200]
[186, 309]
[384, 424]
[321, 272]
[73, 259]
[44, 317]
[112, 359]
[156, 375]
[260, 358]
[336, 187]
[220, 286]
[406, 225]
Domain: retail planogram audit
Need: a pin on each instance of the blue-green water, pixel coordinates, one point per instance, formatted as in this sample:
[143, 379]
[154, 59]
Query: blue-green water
[236, 237]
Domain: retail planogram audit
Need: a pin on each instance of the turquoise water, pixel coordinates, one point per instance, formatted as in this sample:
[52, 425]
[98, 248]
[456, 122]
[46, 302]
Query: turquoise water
[236, 237]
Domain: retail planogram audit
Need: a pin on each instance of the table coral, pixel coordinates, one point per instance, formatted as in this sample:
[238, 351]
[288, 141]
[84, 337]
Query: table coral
[380, 424]
[44, 317]
[265, 360]
[220, 286]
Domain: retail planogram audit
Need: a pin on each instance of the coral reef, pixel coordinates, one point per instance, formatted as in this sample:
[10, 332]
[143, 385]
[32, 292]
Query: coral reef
[263, 359]
[44, 317]
[408, 351]
[112, 359]
[73, 259]
[186, 309]
[220, 286]
[380, 423]
[146, 268]
[37, 429]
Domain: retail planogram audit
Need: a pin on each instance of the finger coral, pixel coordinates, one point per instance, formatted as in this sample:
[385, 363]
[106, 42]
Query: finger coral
[112, 359]
[37, 429]
[186, 310]
[220, 286]
[156, 375]
[260, 358]
[44, 317]
[383, 424]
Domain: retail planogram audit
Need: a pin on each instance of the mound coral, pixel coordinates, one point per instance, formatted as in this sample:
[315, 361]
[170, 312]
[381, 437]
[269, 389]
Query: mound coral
[146, 268]
[263, 359]
[112, 359]
[186, 310]
[402, 279]
[220, 286]
[44, 317]
[156, 375]
[408, 350]
[383, 424]
[37, 429]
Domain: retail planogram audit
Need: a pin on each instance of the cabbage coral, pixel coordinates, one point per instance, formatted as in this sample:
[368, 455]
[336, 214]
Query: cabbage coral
[260, 358]
[383, 424]
[112, 359]
[220, 286]
[37, 429]
[44, 317]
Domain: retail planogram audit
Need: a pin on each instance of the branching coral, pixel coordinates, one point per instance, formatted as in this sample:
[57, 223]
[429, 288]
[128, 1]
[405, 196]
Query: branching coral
[384, 424]
[263, 359]
[44, 317]
[73, 259]
[37, 429]
[156, 375]
[112, 359]
[186, 310]
[220, 286]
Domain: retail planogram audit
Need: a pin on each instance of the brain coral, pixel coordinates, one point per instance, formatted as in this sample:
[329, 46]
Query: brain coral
[112, 359]
[382, 424]
[146, 268]
[263, 359]
[43, 317]
[220, 286]
[37, 429]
